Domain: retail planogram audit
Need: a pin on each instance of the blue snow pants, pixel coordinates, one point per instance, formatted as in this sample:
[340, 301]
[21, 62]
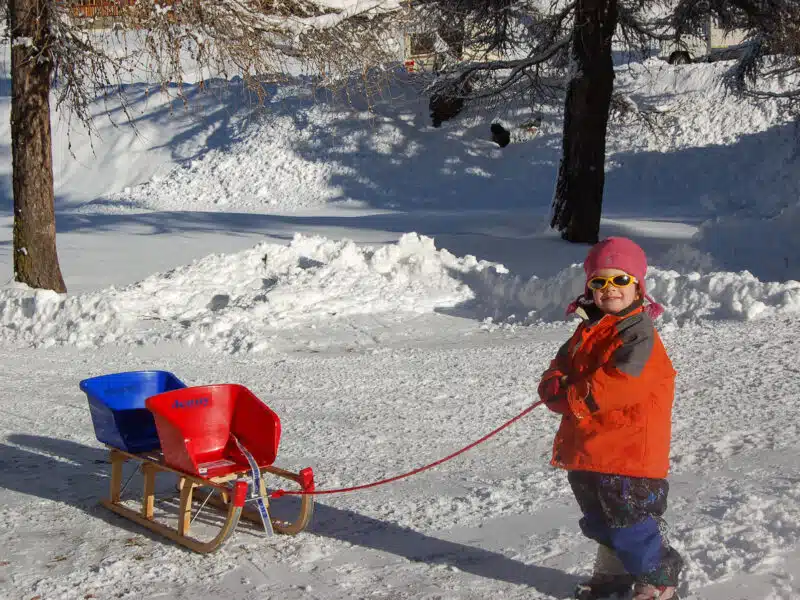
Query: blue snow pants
[625, 514]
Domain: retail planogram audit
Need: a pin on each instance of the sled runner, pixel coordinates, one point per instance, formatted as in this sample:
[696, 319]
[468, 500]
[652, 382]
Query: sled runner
[218, 438]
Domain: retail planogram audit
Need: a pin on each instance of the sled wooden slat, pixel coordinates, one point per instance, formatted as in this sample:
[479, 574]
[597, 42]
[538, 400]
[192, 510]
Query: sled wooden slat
[148, 494]
[185, 511]
[278, 525]
[116, 476]
[152, 464]
[225, 531]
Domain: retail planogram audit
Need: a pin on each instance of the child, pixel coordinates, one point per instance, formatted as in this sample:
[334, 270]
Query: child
[613, 384]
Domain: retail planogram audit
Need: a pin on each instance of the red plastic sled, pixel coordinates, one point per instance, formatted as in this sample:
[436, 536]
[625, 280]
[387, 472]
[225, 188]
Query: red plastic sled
[199, 428]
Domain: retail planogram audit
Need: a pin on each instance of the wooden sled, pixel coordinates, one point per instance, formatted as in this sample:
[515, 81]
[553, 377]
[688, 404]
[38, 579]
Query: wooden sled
[227, 493]
[220, 437]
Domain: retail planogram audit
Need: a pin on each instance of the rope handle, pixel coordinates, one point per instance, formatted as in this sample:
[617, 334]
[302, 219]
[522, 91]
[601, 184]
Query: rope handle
[279, 493]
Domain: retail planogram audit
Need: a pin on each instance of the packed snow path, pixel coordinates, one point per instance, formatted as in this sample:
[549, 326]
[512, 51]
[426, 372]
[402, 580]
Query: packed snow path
[495, 521]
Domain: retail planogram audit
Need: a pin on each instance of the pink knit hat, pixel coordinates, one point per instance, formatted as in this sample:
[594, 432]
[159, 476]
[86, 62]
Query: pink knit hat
[625, 255]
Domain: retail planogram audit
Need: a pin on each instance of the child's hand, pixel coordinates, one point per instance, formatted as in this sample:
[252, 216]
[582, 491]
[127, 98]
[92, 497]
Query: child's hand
[553, 390]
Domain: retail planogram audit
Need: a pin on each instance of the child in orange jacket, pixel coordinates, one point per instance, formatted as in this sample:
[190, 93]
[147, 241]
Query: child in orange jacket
[613, 384]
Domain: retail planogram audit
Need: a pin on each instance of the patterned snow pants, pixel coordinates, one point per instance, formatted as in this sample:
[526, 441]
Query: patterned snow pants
[624, 513]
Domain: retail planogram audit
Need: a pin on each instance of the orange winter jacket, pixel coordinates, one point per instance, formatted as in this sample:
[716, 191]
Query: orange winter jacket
[617, 410]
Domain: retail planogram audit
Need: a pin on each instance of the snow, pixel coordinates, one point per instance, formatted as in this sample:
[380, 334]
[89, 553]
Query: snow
[239, 302]
[22, 41]
[393, 291]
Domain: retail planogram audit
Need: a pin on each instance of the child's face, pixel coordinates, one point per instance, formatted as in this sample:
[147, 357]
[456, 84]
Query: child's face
[613, 299]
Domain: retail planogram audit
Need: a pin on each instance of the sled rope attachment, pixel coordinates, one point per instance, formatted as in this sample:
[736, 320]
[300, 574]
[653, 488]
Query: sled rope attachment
[279, 493]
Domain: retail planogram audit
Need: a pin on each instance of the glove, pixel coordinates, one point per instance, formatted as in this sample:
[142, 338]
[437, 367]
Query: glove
[553, 390]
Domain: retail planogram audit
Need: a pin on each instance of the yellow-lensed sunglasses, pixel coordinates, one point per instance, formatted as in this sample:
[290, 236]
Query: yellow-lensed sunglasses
[620, 281]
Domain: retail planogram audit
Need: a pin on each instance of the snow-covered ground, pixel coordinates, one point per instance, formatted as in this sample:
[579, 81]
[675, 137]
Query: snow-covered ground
[392, 291]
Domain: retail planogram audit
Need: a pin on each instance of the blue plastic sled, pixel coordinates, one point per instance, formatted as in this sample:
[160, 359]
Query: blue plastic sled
[117, 405]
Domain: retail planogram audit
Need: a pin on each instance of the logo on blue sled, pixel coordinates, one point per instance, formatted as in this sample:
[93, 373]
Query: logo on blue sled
[192, 403]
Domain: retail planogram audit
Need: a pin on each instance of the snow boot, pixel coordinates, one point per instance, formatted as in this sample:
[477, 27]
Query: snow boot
[607, 588]
[608, 579]
[647, 591]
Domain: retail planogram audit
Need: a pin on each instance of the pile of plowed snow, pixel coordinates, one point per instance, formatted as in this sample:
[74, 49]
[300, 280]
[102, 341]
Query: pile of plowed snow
[236, 302]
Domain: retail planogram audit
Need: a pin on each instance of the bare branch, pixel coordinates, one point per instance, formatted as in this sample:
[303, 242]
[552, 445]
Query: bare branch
[516, 66]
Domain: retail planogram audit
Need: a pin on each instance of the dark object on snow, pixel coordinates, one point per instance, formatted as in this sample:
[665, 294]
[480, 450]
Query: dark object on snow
[444, 107]
[500, 135]
[447, 102]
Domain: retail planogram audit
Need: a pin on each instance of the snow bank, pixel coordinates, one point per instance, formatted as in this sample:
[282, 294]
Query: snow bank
[45, 318]
[706, 152]
[233, 302]
[696, 105]
[260, 170]
[239, 302]
[305, 151]
[687, 297]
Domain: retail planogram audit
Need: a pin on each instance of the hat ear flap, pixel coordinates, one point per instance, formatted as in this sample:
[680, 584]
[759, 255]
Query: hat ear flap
[654, 310]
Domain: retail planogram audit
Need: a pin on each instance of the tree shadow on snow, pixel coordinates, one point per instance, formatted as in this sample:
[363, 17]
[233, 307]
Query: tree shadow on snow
[398, 161]
[658, 198]
[737, 191]
[455, 185]
[77, 475]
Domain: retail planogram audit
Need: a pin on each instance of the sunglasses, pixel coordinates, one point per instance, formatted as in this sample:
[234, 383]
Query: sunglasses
[618, 281]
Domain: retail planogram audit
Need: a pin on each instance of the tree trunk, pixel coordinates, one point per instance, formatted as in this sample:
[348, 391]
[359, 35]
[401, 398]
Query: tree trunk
[35, 256]
[581, 173]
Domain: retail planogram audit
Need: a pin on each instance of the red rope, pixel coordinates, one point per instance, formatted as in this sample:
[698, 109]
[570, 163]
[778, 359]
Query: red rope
[279, 493]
